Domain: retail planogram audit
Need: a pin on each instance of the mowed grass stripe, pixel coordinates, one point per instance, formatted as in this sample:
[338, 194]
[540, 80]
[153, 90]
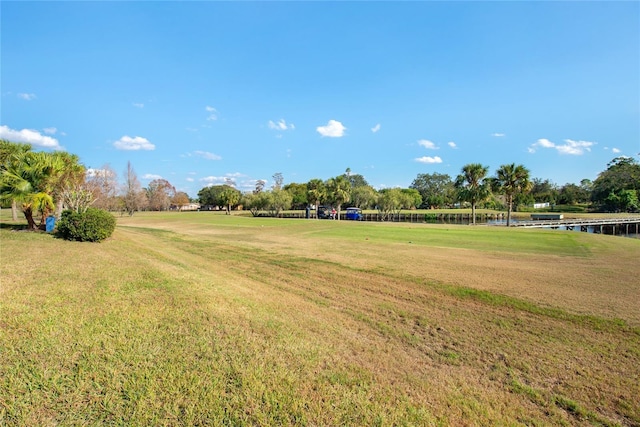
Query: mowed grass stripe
[188, 328]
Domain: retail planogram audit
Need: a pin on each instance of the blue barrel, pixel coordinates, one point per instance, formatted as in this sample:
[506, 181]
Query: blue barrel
[50, 223]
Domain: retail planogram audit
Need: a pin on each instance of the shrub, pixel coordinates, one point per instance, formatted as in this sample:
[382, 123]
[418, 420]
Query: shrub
[94, 225]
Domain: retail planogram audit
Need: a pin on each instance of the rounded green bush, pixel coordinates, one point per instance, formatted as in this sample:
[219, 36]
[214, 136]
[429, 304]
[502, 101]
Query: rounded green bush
[94, 225]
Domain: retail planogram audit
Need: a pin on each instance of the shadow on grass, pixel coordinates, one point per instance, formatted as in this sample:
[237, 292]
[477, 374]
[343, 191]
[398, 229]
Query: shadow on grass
[14, 227]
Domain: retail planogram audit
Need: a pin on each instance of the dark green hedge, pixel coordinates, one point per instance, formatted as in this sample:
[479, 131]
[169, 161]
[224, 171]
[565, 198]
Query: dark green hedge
[94, 225]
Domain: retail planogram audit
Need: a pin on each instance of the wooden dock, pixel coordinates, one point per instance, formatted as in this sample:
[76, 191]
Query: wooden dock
[601, 225]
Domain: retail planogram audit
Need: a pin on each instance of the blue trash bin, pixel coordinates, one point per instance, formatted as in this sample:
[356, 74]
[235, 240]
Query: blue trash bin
[50, 223]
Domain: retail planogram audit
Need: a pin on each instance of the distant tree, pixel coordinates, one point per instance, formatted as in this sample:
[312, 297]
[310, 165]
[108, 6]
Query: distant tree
[229, 197]
[278, 179]
[356, 180]
[363, 196]
[436, 189]
[472, 186]
[543, 191]
[159, 193]
[316, 192]
[623, 173]
[256, 202]
[260, 183]
[628, 200]
[571, 194]
[279, 200]
[338, 191]
[180, 200]
[103, 185]
[212, 195]
[133, 197]
[299, 195]
[393, 200]
[511, 180]
[412, 198]
[68, 184]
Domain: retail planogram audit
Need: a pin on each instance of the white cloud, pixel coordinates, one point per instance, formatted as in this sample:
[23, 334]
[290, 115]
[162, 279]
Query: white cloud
[27, 96]
[570, 146]
[212, 180]
[281, 125]
[213, 113]
[189, 179]
[615, 150]
[333, 129]
[151, 176]
[133, 144]
[575, 147]
[29, 136]
[138, 104]
[50, 131]
[106, 173]
[376, 128]
[452, 144]
[427, 144]
[426, 159]
[207, 155]
[219, 180]
[498, 135]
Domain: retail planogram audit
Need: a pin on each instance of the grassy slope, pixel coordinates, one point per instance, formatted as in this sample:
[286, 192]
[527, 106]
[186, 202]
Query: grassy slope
[204, 319]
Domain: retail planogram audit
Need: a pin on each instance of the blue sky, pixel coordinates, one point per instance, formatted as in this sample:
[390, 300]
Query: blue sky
[196, 92]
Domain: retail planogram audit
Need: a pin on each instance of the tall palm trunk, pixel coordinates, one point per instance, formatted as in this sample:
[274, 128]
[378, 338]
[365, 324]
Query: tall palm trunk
[28, 214]
[59, 208]
[473, 213]
[14, 210]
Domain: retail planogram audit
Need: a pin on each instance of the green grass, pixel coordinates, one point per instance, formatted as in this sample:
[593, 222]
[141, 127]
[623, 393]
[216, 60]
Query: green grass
[201, 319]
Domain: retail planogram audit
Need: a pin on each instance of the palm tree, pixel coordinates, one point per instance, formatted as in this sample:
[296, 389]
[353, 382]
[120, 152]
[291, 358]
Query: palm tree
[339, 189]
[8, 150]
[472, 186]
[24, 179]
[511, 180]
[316, 191]
[67, 178]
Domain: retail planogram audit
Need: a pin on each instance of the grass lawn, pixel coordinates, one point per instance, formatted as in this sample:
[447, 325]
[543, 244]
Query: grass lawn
[206, 319]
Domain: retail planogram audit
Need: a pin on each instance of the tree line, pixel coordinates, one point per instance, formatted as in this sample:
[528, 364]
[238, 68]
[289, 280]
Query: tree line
[511, 187]
[41, 184]
[44, 183]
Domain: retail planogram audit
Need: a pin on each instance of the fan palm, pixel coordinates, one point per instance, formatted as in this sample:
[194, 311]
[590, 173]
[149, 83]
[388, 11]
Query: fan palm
[472, 186]
[511, 180]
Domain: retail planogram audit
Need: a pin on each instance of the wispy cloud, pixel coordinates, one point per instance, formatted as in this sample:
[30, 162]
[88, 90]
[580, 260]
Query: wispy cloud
[452, 144]
[213, 113]
[105, 173]
[50, 131]
[213, 180]
[280, 125]
[615, 150]
[427, 144]
[429, 160]
[136, 143]
[151, 176]
[219, 180]
[138, 104]
[376, 128]
[207, 155]
[27, 96]
[333, 129]
[575, 148]
[498, 134]
[29, 136]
